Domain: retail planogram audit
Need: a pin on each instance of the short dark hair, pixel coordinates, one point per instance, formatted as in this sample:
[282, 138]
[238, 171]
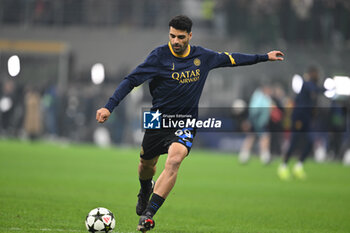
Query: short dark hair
[312, 69]
[181, 22]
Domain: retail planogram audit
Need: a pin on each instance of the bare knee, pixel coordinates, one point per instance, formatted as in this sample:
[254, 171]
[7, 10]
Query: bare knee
[175, 159]
[147, 168]
[148, 164]
[176, 154]
[174, 162]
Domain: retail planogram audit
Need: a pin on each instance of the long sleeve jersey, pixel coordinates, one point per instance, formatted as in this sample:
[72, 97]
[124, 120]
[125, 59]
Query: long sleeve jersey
[176, 82]
[306, 101]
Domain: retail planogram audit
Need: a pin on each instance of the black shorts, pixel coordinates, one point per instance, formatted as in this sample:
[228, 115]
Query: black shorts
[157, 141]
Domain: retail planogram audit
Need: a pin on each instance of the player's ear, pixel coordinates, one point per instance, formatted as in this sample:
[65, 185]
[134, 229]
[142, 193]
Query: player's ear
[190, 35]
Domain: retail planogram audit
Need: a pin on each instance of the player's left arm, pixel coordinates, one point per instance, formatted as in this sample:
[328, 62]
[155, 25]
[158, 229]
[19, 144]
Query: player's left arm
[241, 59]
[275, 56]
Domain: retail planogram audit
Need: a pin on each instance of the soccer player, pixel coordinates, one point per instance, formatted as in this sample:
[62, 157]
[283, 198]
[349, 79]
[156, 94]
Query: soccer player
[260, 105]
[176, 73]
[302, 116]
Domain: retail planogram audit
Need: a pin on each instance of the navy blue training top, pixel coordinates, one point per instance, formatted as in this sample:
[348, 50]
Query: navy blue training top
[306, 101]
[176, 82]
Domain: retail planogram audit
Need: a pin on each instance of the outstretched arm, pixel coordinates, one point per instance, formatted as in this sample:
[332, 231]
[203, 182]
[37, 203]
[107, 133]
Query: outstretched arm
[275, 56]
[241, 59]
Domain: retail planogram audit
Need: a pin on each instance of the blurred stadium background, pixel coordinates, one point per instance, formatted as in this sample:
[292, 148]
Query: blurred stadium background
[61, 60]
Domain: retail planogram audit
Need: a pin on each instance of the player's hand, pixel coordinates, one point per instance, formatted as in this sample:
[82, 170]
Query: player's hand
[102, 115]
[275, 56]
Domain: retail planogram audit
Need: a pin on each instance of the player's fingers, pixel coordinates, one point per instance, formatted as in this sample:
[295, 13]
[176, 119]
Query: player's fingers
[100, 117]
[279, 53]
[103, 117]
[98, 114]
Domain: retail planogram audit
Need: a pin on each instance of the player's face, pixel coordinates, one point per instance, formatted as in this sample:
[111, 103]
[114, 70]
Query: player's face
[179, 40]
[314, 76]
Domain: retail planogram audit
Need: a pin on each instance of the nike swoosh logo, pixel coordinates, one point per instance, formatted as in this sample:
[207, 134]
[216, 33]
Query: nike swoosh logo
[173, 66]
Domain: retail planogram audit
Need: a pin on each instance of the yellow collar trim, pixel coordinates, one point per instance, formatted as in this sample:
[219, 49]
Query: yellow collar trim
[176, 55]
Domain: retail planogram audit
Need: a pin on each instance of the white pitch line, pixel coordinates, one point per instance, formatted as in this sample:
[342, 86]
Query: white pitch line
[42, 229]
[49, 229]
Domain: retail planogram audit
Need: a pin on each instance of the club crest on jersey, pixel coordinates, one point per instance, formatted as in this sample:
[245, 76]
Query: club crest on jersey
[197, 62]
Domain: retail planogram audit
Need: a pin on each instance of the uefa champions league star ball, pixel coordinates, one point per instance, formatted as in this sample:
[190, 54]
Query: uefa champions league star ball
[100, 220]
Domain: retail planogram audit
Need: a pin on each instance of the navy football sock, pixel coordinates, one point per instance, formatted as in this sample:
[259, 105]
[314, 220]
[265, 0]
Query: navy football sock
[154, 204]
[146, 185]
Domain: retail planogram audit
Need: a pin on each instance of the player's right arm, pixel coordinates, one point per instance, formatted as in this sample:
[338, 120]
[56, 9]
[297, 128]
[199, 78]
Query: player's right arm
[147, 70]
[102, 115]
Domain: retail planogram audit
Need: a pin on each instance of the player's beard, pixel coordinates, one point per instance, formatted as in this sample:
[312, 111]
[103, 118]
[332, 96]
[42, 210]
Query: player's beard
[179, 49]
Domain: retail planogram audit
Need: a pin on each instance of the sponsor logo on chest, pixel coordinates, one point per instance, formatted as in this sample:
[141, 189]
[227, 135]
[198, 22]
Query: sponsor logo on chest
[187, 76]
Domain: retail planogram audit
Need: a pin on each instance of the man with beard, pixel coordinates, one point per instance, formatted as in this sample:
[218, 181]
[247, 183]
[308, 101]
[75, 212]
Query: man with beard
[176, 73]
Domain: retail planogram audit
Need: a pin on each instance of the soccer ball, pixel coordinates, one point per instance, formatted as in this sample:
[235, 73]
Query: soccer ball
[100, 220]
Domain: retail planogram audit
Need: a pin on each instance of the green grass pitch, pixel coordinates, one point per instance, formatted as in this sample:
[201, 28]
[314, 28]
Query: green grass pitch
[50, 188]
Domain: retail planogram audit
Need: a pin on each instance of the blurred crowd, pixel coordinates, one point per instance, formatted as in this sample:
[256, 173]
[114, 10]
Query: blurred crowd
[45, 113]
[38, 108]
[286, 125]
[258, 21]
